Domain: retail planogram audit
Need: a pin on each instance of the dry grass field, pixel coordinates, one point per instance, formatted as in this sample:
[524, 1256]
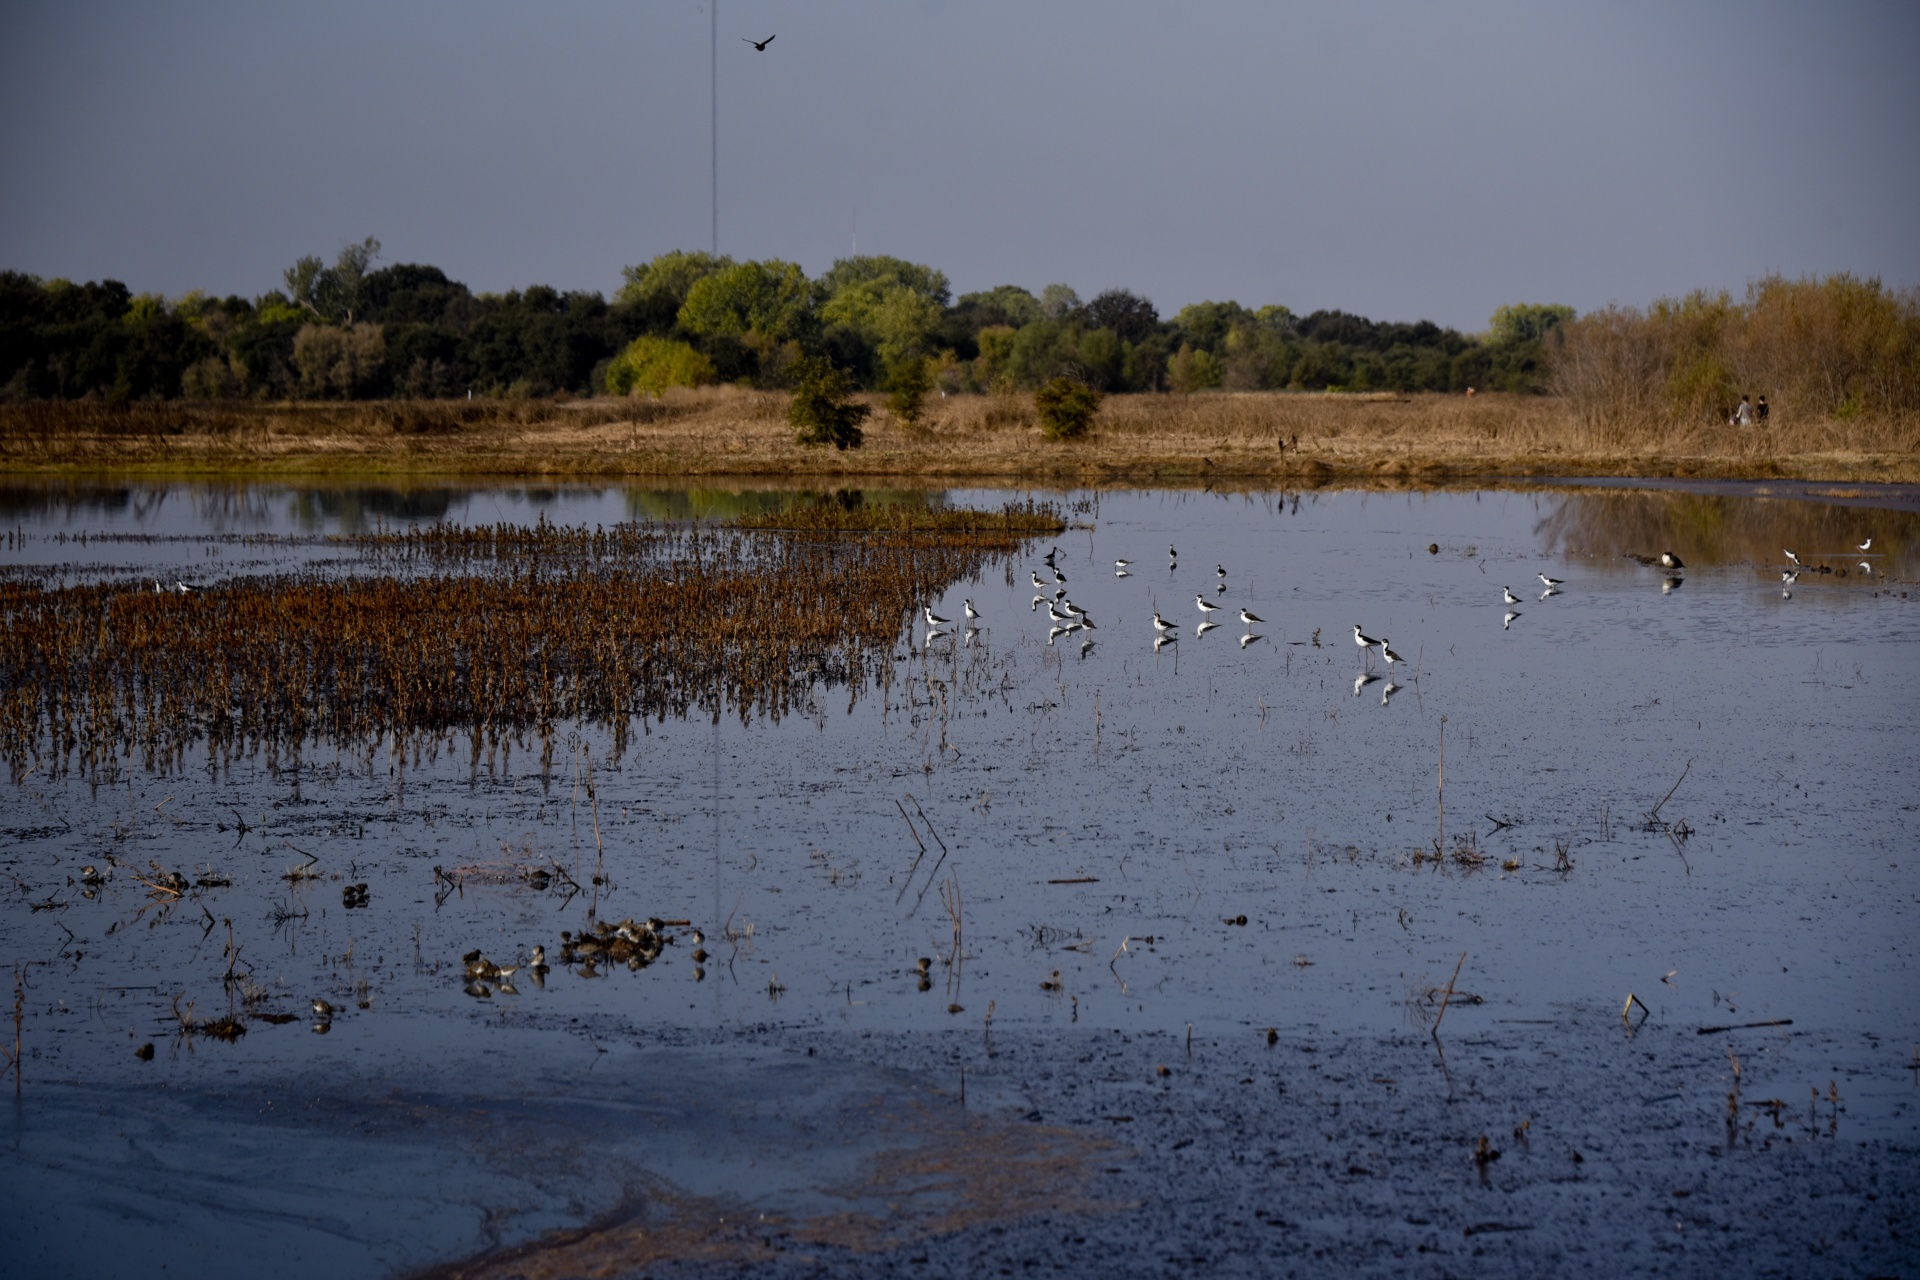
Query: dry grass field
[1232, 438]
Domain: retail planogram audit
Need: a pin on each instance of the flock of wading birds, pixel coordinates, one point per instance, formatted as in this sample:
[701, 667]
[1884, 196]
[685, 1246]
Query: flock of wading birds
[1067, 617]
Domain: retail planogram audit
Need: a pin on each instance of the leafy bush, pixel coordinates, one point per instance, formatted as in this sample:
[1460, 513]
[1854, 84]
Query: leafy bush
[1066, 408]
[651, 365]
[909, 380]
[823, 411]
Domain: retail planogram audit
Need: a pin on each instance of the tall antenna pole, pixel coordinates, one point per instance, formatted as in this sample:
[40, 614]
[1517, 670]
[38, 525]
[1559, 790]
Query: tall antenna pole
[713, 8]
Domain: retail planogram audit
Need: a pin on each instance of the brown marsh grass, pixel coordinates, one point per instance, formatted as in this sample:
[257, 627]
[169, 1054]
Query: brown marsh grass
[496, 631]
[1210, 438]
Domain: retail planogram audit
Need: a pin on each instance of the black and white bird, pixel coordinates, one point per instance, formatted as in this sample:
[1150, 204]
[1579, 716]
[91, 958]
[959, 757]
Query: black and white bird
[1059, 615]
[1552, 584]
[1250, 618]
[1220, 571]
[1207, 607]
[1059, 577]
[1161, 625]
[1789, 555]
[1123, 565]
[1386, 652]
[1073, 608]
[1038, 585]
[1668, 560]
[1790, 575]
[935, 620]
[1511, 598]
[1364, 642]
[973, 614]
[1866, 545]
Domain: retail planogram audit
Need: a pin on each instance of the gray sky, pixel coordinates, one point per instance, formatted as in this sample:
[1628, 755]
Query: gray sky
[1402, 160]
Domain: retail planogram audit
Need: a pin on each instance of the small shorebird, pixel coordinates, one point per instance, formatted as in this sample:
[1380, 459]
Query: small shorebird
[1220, 571]
[1250, 618]
[1867, 544]
[1510, 597]
[1073, 608]
[1060, 577]
[1391, 657]
[1506, 623]
[1122, 565]
[539, 960]
[1789, 555]
[1059, 615]
[1552, 584]
[1668, 560]
[1207, 606]
[973, 614]
[322, 1009]
[934, 620]
[1364, 642]
[1161, 625]
[1038, 585]
[1172, 554]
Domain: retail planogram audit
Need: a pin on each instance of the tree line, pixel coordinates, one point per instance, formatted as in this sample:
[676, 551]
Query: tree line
[352, 330]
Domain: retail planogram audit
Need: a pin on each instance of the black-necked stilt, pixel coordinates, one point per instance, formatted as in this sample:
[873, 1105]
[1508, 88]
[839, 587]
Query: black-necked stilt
[1789, 555]
[1161, 624]
[1058, 614]
[1507, 593]
[1364, 642]
[1866, 545]
[1386, 652]
[184, 588]
[1250, 618]
[1670, 585]
[1073, 608]
[1038, 585]
[1552, 584]
[1668, 560]
[1506, 623]
[1059, 593]
[973, 614]
[1219, 571]
[1086, 622]
[1203, 626]
[1122, 565]
[934, 620]
[1060, 577]
[1171, 553]
[1207, 606]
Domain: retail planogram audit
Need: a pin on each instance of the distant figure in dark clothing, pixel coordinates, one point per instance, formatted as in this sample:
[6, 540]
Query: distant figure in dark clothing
[1760, 410]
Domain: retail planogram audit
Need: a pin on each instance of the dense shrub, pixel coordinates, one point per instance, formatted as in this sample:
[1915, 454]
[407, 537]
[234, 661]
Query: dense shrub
[823, 410]
[650, 365]
[1066, 408]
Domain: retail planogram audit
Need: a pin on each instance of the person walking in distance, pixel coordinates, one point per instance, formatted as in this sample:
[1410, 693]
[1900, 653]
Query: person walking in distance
[1743, 416]
[1760, 411]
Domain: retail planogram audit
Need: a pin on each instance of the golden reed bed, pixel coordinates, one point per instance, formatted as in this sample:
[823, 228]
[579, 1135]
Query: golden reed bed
[1252, 437]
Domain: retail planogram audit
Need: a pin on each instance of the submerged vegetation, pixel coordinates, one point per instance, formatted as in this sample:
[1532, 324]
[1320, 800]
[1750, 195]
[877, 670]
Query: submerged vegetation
[494, 631]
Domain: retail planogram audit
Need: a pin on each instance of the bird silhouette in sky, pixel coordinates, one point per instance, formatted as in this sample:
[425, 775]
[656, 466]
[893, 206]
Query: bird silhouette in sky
[761, 45]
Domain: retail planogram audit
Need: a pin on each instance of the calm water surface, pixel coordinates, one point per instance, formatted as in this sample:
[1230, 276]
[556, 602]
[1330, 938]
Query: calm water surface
[1223, 832]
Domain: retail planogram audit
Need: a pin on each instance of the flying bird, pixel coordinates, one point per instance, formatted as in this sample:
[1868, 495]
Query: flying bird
[760, 45]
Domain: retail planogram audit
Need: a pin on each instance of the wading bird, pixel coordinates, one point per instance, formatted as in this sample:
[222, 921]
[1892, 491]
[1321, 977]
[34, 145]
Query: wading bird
[1207, 607]
[1364, 642]
[1552, 584]
[1668, 560]
[1789, 555]
[1510, 597]
[1250, 618]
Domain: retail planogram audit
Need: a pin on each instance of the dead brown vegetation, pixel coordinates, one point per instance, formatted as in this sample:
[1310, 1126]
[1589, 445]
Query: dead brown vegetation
[1226, 437]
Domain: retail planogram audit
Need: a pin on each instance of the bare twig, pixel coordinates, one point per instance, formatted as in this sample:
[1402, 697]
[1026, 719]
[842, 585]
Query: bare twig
[1448, 997]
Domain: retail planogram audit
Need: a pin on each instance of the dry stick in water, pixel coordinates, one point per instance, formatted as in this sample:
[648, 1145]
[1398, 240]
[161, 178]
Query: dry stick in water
[1441, 795]
[1654, 814]
[916, 862]
[1447, 998]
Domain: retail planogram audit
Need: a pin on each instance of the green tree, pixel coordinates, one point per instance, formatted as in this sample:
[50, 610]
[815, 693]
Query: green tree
[1527, 322]
[770, 298]
[655, 291]
[1066, 408]
[1058, 301]
[332, 293]
[651, 364]
[823, 410]
[909, 381]
[1192, 370]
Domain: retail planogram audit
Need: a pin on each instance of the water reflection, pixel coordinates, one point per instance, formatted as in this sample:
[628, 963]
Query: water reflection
[1716, 529]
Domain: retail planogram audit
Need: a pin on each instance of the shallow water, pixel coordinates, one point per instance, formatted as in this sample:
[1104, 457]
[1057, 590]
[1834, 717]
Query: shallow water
[1100, 817]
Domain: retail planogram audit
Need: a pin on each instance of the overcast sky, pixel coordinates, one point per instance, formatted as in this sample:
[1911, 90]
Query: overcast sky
[1401, 160]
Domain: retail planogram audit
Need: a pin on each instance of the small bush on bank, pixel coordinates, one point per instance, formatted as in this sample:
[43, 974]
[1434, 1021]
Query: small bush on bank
[823, 410]
[1066, 408]
[650, 365]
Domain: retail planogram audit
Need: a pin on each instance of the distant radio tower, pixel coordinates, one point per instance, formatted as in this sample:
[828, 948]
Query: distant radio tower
[713, 8]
